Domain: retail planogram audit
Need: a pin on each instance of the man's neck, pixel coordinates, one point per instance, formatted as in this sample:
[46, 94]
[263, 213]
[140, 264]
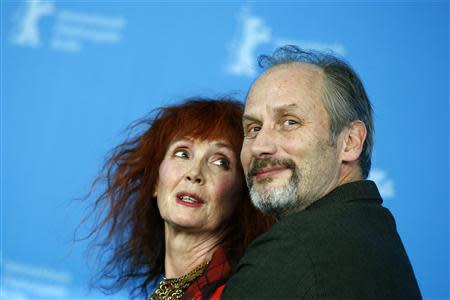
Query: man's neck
[347, 174]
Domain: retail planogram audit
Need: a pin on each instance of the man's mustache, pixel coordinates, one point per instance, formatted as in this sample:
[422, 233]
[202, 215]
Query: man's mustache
[267, 162]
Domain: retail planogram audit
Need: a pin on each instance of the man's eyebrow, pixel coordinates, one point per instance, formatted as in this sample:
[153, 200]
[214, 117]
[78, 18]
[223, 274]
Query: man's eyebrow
[287, 107]
[250, 118]
[277, 110]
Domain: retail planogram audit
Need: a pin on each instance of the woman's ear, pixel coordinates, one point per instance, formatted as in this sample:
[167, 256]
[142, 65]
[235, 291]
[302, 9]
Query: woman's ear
[155, 193]
[354, 138]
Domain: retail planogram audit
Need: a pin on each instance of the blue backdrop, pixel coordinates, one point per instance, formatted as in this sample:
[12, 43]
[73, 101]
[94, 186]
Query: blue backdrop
[75, 74]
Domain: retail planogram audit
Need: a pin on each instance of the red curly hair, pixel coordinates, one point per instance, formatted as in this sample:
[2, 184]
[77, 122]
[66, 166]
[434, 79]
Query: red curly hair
[134, 228]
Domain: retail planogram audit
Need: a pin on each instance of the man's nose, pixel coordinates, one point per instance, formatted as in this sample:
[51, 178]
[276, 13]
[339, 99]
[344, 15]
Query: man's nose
[264, 144]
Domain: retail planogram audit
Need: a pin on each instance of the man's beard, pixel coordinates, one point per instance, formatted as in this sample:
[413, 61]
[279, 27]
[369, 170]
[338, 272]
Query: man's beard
[275, 201]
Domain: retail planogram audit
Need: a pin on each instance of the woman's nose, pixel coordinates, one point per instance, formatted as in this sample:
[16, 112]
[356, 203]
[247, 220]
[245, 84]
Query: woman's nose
[195, 175]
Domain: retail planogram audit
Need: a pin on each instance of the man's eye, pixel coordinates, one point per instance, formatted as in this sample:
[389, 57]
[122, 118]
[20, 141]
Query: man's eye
[181, 154]
[290, 122]
[222, 162]
[252, 131]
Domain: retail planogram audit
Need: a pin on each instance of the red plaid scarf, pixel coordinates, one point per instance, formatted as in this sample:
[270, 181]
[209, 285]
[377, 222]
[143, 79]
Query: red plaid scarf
[211, 284]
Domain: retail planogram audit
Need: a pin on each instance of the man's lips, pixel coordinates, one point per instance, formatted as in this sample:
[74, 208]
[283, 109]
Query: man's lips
[189, 199]
[264, 173]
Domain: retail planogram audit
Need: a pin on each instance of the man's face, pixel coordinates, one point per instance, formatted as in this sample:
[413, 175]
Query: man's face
[287, 155]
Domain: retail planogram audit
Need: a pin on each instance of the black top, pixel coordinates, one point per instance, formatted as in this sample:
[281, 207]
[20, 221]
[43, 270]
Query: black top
[343, 246]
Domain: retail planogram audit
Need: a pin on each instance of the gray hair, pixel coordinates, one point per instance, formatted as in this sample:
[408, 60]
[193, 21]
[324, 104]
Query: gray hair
[345, 98]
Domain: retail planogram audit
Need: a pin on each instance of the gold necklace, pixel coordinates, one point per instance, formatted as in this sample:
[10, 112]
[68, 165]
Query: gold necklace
[174, 288]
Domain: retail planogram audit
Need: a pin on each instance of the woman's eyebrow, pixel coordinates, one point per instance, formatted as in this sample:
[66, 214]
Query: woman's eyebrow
[182, 139]
[223, 145]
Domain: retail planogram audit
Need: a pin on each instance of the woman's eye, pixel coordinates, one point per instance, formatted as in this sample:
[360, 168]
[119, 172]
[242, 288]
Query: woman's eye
[222, 162]
[181, 154]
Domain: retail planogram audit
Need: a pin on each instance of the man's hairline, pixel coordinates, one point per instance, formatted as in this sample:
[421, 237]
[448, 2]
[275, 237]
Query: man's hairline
[323, 86]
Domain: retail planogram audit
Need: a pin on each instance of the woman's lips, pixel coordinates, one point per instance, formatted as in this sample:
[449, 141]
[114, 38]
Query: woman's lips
[269, 172]
[189, 199]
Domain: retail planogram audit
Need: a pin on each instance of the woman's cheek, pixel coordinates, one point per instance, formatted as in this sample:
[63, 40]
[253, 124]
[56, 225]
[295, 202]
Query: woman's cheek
[223, 185]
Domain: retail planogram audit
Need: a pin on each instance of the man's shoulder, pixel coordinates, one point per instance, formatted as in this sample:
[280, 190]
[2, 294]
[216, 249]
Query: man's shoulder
[271, 268]
[346, 247]
[322, 248]
[275, 263]
[303, 232]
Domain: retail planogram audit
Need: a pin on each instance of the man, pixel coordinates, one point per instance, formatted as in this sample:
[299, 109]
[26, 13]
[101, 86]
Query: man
[308, 142]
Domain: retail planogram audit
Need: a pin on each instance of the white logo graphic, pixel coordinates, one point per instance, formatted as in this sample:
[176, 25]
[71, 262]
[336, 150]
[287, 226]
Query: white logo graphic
[384, 183]
[28, 32]
[253, 33]
[23, 281]
[70, 29]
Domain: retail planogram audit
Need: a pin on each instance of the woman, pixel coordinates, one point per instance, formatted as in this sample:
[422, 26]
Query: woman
[177, 204]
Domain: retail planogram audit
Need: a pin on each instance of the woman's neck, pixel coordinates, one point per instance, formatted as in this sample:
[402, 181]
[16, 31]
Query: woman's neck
[185, 251]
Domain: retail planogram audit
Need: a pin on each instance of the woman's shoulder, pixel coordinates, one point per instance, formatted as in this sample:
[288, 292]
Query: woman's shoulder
[213, 280]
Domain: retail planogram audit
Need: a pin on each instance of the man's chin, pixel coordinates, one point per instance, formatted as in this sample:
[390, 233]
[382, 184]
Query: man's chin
[274, 200]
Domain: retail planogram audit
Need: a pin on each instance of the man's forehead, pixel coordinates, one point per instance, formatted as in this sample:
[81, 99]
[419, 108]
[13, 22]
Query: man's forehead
[293, 71]
[273, 108]
[286, 86]
[295, 67]
[295, 75]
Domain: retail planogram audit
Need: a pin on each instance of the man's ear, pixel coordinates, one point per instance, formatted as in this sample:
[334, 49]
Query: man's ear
[354, 138]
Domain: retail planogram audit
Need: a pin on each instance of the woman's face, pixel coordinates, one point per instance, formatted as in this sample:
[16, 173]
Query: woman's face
[199, 184]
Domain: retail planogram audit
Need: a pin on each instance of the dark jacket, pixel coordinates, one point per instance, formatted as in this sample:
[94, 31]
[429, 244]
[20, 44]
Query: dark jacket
[344, 246]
